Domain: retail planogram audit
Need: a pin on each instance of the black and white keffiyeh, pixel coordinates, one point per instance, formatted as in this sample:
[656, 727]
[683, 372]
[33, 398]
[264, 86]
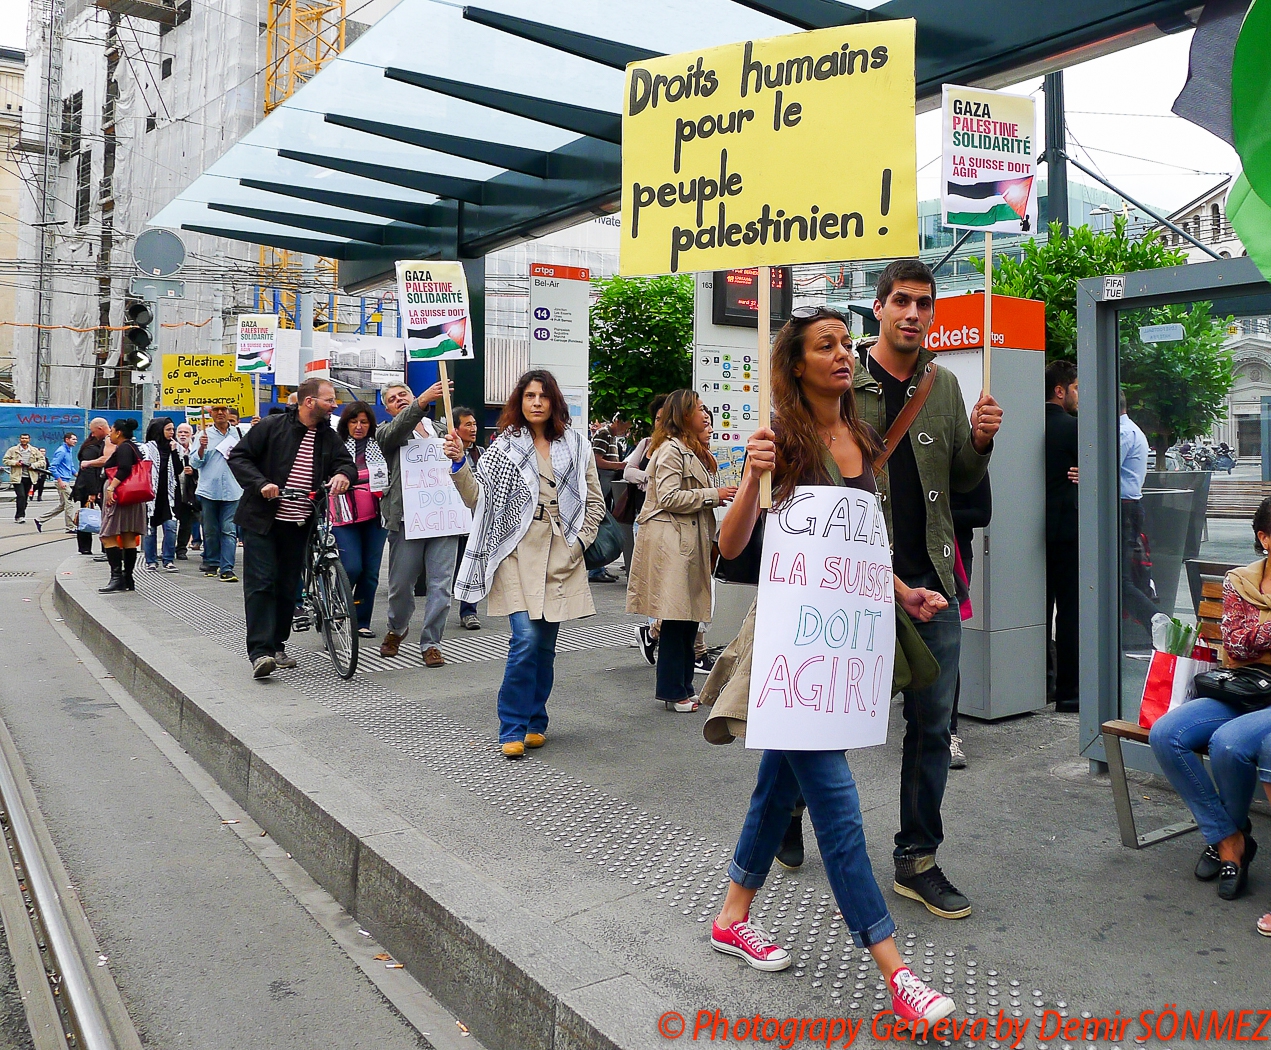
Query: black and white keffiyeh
[508, 477]
[373, 454]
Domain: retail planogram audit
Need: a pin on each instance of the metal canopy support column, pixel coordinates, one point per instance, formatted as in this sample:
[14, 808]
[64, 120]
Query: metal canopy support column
[1056, 158]
[1236, 284]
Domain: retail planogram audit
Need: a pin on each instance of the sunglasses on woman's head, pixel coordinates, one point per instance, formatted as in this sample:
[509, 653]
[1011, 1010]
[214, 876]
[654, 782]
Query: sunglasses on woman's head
[816, 313]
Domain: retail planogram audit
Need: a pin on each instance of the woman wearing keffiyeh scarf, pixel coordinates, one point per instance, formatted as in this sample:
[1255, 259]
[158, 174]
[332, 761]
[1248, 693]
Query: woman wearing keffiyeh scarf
[537, 504]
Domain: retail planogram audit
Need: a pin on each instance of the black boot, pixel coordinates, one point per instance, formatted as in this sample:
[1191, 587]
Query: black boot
[130, 562]
[84, 541]
[116, 558]
[790, 855]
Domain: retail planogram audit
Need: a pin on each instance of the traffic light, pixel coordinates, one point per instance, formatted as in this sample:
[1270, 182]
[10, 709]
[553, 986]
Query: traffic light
[137, 336]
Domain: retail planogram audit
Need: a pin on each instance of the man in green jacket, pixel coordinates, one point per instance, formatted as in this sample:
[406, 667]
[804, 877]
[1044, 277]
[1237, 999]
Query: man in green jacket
[941, 452]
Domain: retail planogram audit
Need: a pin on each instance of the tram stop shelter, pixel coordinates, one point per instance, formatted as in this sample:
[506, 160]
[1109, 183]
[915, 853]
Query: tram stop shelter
[1196, 524]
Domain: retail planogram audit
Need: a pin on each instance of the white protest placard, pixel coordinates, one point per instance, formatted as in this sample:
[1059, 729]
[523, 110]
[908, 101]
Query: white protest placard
[256, 337]
[433, 300]
[989, 175]
[825, 631]
[430, 502]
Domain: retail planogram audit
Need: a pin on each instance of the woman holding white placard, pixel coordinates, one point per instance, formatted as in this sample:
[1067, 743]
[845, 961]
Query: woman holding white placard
[358, 528]
[819, 439]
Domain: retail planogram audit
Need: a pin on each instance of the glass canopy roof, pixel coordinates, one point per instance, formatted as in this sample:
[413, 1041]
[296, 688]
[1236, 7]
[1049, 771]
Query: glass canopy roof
[449, 131]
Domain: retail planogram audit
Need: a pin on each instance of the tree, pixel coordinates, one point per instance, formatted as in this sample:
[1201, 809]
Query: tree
[641, 342]
[1050, 272]
[1178, 389]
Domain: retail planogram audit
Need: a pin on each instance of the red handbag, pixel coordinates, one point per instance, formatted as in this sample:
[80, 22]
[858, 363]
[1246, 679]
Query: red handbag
[137, 487]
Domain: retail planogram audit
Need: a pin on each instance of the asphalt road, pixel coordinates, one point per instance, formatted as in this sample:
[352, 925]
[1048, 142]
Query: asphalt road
[208, 948]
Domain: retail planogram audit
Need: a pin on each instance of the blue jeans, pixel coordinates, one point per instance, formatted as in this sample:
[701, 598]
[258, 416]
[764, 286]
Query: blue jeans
[826, 783]
[924, 763]
[150, 538]
[527, 678]
[1239, 755]
[220, 538]
[361, 550]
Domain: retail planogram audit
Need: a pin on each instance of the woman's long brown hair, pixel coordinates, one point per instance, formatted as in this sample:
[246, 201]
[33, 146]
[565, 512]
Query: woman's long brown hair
[674, 423]
[513, 415]
[800, 449]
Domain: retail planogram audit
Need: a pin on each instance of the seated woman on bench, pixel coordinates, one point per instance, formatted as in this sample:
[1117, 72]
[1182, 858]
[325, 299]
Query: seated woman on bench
[1239, 744]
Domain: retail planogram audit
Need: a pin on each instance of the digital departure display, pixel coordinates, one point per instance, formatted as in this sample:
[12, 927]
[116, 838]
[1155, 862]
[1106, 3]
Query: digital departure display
[736, 299]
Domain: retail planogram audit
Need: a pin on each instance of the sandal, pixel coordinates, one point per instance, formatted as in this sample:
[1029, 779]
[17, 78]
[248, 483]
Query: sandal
[685, 706]
[1264, 925]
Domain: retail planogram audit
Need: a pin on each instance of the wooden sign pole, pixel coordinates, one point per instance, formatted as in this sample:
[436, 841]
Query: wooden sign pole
[988, 309]
[256, 391]
[765, 369]
[445, 395]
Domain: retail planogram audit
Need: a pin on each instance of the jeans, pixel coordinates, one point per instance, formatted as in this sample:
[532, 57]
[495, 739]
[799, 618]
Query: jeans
[675, 659]
[406, 560]
[825, 780]
[22, 490]
[361, 551]
[220, 538]
[527, 678]
[1239, 755]
[272, 566]
[149, 541]
[924, 764]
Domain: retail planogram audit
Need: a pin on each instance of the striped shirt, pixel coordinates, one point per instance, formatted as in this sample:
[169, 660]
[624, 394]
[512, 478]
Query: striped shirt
[301, 477]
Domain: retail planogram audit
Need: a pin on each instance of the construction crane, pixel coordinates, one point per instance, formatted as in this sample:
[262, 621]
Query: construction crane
[301, 36]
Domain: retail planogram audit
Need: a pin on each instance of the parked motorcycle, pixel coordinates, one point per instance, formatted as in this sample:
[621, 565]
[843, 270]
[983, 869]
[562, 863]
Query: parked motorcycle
[1224, 457]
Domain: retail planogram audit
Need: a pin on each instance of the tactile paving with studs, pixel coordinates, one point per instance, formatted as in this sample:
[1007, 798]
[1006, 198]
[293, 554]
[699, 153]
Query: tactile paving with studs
[685, 871]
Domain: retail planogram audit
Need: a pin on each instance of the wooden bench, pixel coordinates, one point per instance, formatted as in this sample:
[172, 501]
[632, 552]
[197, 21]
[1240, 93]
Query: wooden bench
[1229, 498]
[1206, 586]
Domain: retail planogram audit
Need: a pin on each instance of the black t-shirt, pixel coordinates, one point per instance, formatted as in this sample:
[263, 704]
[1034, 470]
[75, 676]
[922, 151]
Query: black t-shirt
[908, 502]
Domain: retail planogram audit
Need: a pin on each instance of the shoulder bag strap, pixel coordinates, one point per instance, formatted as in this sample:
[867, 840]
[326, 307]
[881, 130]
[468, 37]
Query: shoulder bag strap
[902, 423]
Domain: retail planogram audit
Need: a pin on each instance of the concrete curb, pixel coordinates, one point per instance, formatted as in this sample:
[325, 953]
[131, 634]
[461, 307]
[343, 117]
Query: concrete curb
[513, 979]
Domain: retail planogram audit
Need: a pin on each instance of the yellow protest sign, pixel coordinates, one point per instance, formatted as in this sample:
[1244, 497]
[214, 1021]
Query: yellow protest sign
[193, 380]
[792, 149]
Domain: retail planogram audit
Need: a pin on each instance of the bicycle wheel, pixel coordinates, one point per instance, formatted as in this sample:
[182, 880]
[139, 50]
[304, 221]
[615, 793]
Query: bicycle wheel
[339, 627]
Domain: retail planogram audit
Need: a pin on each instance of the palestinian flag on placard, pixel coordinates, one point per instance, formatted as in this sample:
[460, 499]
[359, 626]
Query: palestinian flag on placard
[988, 203]
[424, 344]
[254, 360]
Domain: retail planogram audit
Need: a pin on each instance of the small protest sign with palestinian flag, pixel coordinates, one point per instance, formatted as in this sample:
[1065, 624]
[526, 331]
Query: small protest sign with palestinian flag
[254, 349]
[989, 176]
[436, 319]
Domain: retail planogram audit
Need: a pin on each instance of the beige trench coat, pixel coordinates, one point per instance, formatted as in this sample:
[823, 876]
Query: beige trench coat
[544, 576]
[671, 566]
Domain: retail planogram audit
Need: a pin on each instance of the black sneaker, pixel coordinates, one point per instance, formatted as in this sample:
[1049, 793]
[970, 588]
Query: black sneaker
[647, 644]
[283, 662]
[790, 855]
[931, 888]
[703, 664]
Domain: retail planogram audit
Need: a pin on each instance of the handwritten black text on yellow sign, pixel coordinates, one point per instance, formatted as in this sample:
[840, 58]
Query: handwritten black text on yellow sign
[793, 149]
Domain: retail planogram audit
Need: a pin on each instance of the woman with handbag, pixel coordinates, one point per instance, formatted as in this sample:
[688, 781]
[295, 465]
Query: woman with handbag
[1232, 714]
[820, 440]
[671, 566]
[126, 493]
[537, 506]
[355, 514]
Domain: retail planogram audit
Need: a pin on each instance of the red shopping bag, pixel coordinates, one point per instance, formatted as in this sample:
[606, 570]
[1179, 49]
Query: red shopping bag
[1170, 682]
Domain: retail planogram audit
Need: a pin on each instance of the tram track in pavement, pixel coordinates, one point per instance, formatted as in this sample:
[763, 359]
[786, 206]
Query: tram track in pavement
[71, 1001]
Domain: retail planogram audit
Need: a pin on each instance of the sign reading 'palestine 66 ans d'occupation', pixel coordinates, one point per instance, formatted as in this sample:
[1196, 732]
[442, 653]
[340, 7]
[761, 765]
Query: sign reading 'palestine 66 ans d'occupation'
[432, 298]
[792, 149]
[989, 161]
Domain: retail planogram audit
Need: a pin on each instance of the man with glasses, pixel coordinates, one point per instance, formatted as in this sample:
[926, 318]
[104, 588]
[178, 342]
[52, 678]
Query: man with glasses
[296, 449]
[218, 492]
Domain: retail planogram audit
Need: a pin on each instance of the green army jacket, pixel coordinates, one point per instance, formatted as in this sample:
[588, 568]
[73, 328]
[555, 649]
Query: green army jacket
[941, 437]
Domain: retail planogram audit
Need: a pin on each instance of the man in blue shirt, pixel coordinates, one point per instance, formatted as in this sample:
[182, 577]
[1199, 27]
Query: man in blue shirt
[1136, 576]
[218, 491]
[63, 466]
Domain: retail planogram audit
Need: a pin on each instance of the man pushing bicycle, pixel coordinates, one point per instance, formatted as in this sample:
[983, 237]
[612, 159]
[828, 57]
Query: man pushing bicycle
[295, 450]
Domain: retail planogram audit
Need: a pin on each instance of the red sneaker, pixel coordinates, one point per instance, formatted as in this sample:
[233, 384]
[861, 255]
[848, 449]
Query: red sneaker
[747, 941]
[911, 1000]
